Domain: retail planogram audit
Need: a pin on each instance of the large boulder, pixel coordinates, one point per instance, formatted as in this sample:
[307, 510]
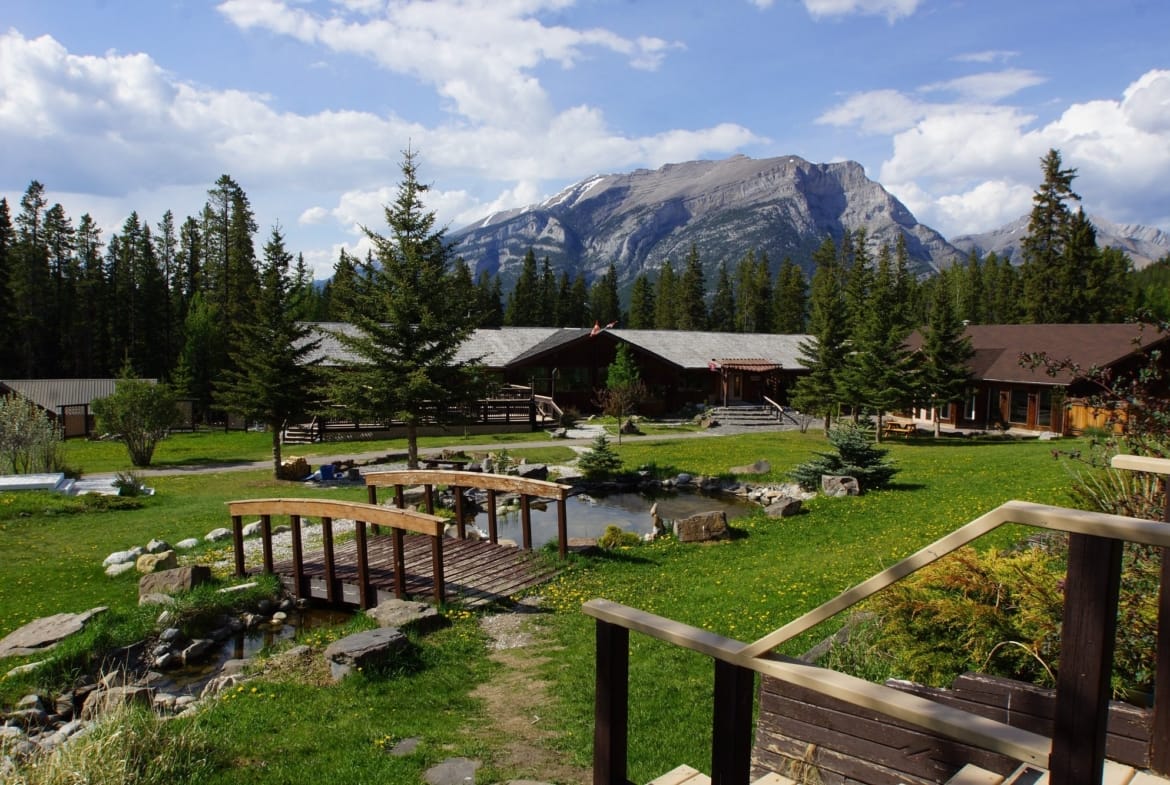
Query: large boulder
[836, 485]
[156, 562]
[362, 650]
[43, 634]
[784, 507]
[174, 580]
[702, 526]
[398, 614]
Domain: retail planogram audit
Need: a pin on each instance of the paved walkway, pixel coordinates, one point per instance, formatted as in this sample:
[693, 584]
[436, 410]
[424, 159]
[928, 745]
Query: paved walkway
[581, 441]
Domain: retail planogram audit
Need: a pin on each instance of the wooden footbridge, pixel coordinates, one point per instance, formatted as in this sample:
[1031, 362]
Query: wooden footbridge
[396, 552]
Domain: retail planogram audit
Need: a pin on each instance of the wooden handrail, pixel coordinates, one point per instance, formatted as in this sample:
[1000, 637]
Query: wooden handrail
[527, 488]
[1076, 753]
[399, 521]
[1039, 515]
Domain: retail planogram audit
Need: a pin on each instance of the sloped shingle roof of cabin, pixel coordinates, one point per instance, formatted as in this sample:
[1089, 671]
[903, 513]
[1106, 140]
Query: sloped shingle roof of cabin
[696, 349]
[494, 347]
[500, 347]
[998, 348]
[49, 394]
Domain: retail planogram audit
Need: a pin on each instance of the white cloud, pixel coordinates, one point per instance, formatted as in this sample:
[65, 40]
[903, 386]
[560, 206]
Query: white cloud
[762, 4]
[876, 112]
[989, 86]
[987, 56]
[891, 9]
[965, 167]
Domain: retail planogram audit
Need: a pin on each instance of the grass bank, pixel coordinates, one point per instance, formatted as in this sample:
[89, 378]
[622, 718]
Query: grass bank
[290, 729]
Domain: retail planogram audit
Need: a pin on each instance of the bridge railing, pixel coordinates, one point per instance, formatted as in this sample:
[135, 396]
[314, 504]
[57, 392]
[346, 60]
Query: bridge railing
[399, 522]
[494, 484]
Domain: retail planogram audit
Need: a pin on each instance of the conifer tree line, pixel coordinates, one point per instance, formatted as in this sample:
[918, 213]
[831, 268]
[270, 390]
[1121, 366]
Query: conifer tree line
[173, 299]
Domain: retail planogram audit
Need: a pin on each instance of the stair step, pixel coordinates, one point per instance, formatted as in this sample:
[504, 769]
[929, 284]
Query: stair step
[680, 775]
[686, 775]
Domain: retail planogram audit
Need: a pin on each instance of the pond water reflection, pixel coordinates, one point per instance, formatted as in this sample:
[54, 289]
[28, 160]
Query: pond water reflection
[588, 516]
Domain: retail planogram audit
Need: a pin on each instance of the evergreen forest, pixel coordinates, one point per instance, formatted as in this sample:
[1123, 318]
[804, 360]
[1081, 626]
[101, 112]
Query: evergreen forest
[174, 299]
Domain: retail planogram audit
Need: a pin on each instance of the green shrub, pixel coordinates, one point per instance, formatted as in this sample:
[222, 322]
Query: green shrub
[600, 462]
[616, 537]
[29, 442]
[857, 456]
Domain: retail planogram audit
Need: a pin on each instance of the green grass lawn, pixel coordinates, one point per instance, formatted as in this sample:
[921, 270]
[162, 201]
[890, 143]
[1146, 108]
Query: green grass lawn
[773, 571]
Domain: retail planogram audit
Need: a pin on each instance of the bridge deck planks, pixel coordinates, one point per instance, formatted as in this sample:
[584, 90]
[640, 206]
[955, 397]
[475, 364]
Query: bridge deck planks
[475, 572]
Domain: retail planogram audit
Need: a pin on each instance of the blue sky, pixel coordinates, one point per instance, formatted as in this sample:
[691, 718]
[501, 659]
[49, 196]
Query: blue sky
[120, 105]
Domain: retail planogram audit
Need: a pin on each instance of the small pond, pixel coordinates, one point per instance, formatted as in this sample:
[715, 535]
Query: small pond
[588, 516]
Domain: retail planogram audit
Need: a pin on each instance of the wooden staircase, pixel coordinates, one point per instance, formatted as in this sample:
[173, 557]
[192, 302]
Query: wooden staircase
[685, 775]
[1114, 774]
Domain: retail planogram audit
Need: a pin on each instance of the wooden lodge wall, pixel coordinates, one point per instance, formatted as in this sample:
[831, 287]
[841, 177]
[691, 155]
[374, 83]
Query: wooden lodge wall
[797, 728]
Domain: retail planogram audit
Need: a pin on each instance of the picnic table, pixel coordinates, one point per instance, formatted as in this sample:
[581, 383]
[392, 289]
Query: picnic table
[896, 428]
[444, 463]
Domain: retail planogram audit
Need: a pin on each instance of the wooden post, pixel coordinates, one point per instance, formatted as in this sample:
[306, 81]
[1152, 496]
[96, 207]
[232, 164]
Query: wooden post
[1160, 730]
[372, 494]
[429, 492]
[298, 558]
[238, 544]
[327, 554]
[611, 705]
[266, 542]
[365, 593]
[1086, 659]
[562, 528]
[731, 729]
[399, 562]
[526, 521]
[399, 497]
[460, 526]
[493, 533]
[437, 569]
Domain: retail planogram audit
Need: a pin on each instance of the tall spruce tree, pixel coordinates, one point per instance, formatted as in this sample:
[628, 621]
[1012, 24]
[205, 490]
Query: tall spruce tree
[1049, 284]
[723, 303]
[272, 378]
[30, 287]
[665, 298]
[790, 300]
[524, 307]
[8, 331]
[818, 392]
[692, 294]
[943, 374]
[407, 339]
[604, 305]
[490, 300]
[642, 303]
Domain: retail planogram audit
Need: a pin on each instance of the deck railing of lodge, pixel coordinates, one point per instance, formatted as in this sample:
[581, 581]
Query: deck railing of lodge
[1075, 754]
[458, 481]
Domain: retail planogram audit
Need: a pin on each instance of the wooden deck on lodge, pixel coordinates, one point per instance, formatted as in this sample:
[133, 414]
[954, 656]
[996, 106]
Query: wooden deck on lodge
[475, 572]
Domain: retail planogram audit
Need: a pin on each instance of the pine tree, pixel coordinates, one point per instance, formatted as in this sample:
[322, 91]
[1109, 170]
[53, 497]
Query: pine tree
[723, 310]
[8, 332]
[818, 391]
[790, 300]
[1047, 280]
[604, 305]
[753, 294]
[406, 337]
[547, 295]
[876, 370]
[523, 309]
[944, 376]
[489, 300]
[91, 355]
[272, 378]
[692, 295]
[624, 389]
[665, 298]
[642, 303]
[29, 283]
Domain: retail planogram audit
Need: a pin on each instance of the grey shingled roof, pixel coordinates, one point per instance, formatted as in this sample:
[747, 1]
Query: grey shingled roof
[499, 347]
[50, 394]
[696, 349]
[495, 348]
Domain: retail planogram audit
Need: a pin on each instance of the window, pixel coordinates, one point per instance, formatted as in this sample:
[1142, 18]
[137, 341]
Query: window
[1019, 406]
[1044, 408]
[969, 410]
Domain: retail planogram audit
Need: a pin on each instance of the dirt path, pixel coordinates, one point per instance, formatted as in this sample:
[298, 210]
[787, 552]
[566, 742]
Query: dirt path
[517, 702]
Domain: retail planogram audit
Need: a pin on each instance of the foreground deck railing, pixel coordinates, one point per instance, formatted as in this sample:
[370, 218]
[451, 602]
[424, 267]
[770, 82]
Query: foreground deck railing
[400, 522]
[1074, 756]
[494, 484]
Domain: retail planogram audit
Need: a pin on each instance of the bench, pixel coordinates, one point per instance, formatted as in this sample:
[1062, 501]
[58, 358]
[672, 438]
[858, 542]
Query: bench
[443, 463]
[890, 428]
